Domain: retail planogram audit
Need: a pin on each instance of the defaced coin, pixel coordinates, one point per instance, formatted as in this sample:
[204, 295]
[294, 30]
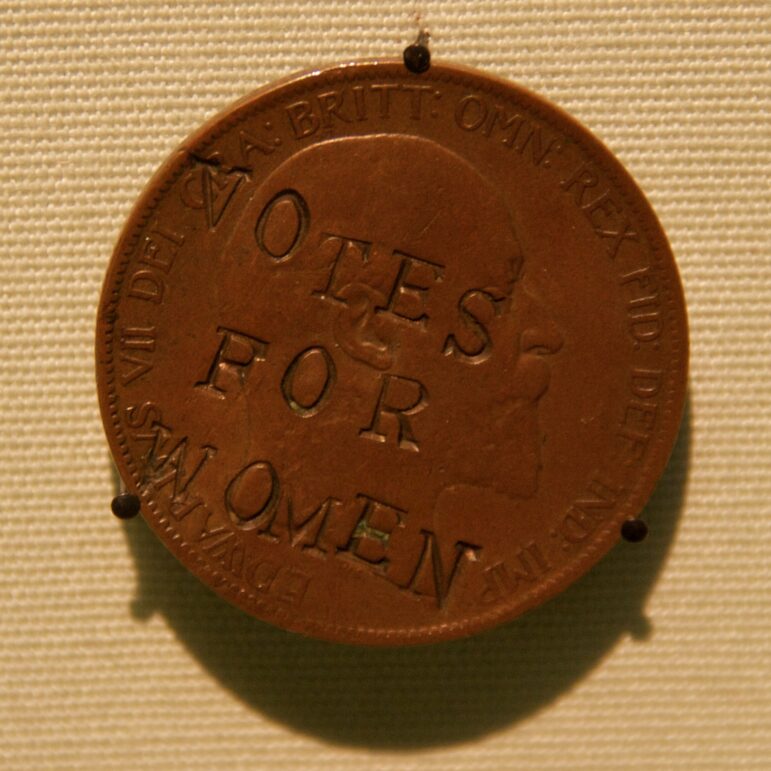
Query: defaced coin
[391, 357]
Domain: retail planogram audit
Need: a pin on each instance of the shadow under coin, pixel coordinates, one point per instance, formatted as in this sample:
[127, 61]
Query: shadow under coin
[405, 698]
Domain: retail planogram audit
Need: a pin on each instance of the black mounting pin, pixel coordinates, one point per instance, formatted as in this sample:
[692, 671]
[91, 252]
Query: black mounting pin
[417, 57]
[634, 530]
[124, 505]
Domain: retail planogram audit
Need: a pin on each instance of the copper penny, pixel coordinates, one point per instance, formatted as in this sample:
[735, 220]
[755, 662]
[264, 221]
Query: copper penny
[390, 358]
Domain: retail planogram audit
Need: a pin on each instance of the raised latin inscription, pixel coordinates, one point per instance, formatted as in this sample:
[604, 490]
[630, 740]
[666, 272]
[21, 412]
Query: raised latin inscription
[157, 255]
[640, 415]
[475, 114]
[502, 579]
[137, 345]
[344, 106]
[270, 578]
[249, 143]
[604, 213]
[643, 305]
[588, 513]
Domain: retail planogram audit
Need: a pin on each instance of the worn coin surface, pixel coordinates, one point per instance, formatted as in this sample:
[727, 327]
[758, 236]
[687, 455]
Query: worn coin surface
[389, 358]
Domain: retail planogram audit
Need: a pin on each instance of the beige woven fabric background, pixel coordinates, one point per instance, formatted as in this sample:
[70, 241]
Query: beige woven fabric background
[111, 656]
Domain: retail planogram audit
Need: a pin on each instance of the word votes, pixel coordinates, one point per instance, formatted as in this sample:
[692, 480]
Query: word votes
[282, 228]
[396, 397]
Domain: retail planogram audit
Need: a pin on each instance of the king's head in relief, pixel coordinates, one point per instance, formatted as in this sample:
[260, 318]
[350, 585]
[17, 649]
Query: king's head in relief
[405, 260]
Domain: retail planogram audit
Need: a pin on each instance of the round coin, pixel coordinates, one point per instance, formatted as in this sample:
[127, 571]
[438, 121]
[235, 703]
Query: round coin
[391, 357]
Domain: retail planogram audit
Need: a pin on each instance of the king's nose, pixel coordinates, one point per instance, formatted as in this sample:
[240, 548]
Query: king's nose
[540, 336]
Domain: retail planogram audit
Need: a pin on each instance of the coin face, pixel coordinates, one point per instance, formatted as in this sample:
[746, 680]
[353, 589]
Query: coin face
[389, 358]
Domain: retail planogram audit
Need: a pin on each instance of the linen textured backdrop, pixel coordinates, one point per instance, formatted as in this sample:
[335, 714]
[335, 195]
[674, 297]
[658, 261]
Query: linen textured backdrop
[112, 656]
